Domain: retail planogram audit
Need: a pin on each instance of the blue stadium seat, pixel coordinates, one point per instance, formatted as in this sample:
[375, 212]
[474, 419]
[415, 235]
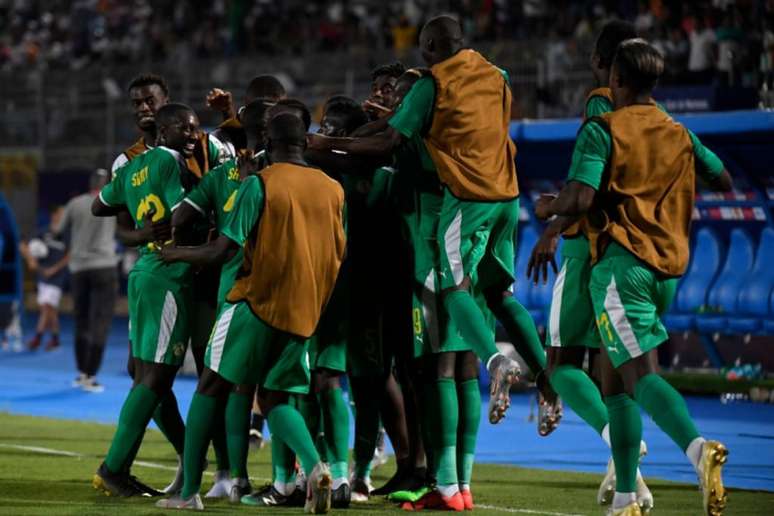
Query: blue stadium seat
[522, 290]
[768, 323]
[725, 291]
[752, 303]
[692, 292]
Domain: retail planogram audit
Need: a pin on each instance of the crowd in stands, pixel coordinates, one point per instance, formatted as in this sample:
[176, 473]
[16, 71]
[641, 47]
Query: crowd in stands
[728, 41]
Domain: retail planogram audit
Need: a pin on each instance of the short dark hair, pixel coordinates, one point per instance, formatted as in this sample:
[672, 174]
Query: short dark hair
[394, 70]
[265, 87]
[611, 35]
[639, 64]
[287, 128]
[252, 115]
[171, 112]
[149, 79]
[349, 110]
[306, 116]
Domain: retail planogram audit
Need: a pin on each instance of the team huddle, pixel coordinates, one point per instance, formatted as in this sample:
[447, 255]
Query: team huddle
[382, 248]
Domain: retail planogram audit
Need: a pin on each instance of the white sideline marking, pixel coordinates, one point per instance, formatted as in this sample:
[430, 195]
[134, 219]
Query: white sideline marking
[142, 463]
[155, 465]
[522, 511]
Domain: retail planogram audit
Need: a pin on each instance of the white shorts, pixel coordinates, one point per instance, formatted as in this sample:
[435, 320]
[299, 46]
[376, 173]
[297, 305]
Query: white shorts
[49, 295]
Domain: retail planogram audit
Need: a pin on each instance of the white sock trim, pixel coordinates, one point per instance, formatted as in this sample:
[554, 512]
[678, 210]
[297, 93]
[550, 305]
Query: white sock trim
[338, 482]
[448, 490]
[693, 452]
[489, 362]
[621, 500]
[606, 435]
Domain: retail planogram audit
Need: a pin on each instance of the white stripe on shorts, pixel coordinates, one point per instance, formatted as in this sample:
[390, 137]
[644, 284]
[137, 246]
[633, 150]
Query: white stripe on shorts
[168, 319]
[219, 337]
[617, 313]
[452, 239]
[555, 316]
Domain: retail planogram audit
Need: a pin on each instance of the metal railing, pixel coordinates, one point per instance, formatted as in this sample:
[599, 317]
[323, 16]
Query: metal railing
[82, 118]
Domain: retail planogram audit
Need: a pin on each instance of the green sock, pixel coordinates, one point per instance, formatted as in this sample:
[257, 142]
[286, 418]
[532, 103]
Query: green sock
[581, 394]
[366, 426]
[167, 417]
[219, 443]
[283, 461]
[429, 416]
[625, 437]
[667, 408]
[310, 410]
[469, 398]
[335, 415]
[520, 327]
[135, 415]
[287, 422]
[201, 415]
[471, 324]
[133, 453]
[446, 429]
[238, 432]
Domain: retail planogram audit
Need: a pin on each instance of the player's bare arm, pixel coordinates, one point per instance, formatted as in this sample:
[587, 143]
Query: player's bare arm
[215, 252]
[379, 145]
[575, 199]
[545, 248]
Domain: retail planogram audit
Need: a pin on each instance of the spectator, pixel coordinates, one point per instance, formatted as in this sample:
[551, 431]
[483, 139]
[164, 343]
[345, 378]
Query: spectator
[701, 58]
[767, 56]
[730, 38]
[404, 36]
[676, 50]
[46, 254]
[94, 279]
[644, 21]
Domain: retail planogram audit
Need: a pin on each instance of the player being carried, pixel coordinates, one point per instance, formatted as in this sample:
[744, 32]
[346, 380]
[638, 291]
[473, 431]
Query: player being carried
[291, 217]
[470, 146]
[633, 174]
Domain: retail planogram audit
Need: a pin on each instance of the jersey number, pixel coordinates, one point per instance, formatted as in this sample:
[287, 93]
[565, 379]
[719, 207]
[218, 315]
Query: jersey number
[150, 204]
[417, 321]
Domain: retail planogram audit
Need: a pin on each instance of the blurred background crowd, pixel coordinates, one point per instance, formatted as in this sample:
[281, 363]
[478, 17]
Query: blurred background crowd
[704, 40]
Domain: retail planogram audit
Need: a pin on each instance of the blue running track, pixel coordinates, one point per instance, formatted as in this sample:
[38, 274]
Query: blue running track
[38, 384]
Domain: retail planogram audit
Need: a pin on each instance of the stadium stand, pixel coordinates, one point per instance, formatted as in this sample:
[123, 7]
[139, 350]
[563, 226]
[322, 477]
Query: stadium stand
[723, 294]
[752, 305]
[691, 297]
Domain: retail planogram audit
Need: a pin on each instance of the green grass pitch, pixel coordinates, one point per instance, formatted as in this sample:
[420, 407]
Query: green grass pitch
[46, 467]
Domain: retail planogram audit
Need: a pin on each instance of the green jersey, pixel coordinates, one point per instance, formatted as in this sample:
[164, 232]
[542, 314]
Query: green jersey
[217, 193]
[593, 148]
[247, 210]
[150, 183]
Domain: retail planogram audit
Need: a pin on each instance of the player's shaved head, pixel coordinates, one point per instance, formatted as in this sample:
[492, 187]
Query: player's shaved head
[441, 38]
[253, 114]
[611, 35]
[341, 116]
[287, 129]
[172, 113]
[292, 106]
[637, 65]
[265, 87]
